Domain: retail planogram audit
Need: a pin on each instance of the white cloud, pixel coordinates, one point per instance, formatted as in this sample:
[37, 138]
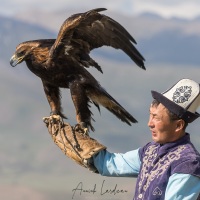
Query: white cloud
[168, 9]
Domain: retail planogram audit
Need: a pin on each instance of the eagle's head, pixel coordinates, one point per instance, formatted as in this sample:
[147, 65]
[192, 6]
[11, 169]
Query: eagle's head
[23, 51]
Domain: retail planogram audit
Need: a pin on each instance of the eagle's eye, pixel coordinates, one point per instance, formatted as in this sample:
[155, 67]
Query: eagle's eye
[21, 53]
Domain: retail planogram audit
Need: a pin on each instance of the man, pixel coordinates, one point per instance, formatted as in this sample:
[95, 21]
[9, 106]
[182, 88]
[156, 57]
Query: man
[169, 166]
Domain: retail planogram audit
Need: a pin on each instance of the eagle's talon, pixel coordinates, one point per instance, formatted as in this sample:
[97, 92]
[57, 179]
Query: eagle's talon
[46, 120]
[86, 131]
[56, 119]
[80, 127]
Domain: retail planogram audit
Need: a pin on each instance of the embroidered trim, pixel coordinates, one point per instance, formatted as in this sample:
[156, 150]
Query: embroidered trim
[153, 168]
[157, 191]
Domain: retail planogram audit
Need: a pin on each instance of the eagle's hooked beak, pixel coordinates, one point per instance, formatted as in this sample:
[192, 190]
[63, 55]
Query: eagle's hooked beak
[15, 60]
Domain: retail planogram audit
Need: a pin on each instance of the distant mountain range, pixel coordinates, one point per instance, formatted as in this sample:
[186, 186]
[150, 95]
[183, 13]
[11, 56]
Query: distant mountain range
[14, 31]
[159, 40]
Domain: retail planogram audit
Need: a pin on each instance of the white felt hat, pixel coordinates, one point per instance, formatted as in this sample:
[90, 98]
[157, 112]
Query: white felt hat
[182, 99]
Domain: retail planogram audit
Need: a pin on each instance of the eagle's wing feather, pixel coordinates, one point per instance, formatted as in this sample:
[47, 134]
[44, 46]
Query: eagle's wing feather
[83, 32]
[99, 96]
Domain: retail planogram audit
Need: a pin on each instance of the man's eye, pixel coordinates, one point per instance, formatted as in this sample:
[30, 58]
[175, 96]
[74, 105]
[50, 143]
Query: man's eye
[158, 118]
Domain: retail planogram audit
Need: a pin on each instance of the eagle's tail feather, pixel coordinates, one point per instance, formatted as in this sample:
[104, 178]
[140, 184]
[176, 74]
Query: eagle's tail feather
[101, 97]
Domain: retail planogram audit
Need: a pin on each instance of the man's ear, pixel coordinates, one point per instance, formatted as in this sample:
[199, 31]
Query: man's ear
[180, 124]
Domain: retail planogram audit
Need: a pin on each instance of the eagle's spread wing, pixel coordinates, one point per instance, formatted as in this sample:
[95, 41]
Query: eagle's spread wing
[83, 32]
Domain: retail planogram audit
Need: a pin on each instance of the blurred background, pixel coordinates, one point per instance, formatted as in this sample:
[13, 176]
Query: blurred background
[31, 165]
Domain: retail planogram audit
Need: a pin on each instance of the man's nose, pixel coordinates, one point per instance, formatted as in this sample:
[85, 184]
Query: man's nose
[150, 123]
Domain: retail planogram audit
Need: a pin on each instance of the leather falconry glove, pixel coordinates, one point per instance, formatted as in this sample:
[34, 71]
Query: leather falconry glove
[73, 142]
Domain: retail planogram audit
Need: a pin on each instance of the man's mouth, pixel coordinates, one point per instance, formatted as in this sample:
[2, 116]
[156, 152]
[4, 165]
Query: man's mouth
[153, 133]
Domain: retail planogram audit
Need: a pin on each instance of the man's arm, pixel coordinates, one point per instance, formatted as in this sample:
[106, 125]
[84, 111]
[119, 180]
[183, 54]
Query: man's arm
[117, 164]
[82, 149]
[182, 187]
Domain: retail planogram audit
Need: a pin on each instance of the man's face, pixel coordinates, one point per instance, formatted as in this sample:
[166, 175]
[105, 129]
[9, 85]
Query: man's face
[162, 128]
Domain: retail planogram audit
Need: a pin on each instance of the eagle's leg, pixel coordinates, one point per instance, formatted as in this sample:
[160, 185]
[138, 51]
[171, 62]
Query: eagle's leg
[80, 100]
[53, 97]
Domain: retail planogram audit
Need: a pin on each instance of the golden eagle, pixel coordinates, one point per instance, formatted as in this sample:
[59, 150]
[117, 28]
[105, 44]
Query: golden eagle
[61, 62]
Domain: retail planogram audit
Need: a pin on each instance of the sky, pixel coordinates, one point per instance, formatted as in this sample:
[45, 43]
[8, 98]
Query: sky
[167, 8]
